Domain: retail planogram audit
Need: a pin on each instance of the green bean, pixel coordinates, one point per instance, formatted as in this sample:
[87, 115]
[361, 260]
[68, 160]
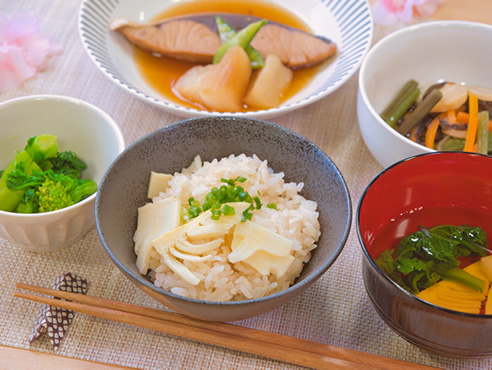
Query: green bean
[242, 38]
[483, 132]
[420, 112]
[401, 102]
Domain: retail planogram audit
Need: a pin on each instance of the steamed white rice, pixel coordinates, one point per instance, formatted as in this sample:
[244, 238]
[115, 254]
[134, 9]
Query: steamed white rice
[295, 218]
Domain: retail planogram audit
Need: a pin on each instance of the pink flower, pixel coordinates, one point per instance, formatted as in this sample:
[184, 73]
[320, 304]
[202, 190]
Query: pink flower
[389, 12]
[23, 50]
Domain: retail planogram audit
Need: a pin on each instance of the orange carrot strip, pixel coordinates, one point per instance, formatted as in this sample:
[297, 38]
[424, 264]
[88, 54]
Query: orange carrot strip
[462, 117]
[452, 116]
[430, 134]
[471, 132]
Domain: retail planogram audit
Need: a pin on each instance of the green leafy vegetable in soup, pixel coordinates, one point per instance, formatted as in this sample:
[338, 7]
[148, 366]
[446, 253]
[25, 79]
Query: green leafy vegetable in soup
[41, 179]
[429, 255]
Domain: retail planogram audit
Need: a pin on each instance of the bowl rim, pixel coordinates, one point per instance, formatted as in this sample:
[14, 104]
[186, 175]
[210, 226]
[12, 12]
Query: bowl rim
[371, 260]
[307, 281]
[182, 111]
[420, 27]
[70, 100]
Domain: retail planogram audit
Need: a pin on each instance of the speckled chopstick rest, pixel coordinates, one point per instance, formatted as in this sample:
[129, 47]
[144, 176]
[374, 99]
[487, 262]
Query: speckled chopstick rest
[55, 321]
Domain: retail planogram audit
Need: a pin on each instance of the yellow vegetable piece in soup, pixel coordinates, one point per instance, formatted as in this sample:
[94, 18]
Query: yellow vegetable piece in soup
[457, 297]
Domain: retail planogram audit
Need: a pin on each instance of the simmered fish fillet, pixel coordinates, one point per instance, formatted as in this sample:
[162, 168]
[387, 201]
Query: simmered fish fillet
[195, 38]
[180, 39]
[294, 48]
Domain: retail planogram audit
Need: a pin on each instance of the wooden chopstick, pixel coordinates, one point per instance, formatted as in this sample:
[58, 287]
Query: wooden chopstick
[276, 346]
[254, 334]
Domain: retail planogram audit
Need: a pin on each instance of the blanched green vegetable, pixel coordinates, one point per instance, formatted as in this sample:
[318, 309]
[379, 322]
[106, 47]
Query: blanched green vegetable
[429, 255]
[10, 199]
[226, 33]
[42, 147]
[40, 179]
[242, 38]
[48, 191]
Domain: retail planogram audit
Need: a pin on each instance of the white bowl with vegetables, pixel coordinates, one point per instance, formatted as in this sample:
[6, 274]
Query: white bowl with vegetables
[53, 153]
[406, 64]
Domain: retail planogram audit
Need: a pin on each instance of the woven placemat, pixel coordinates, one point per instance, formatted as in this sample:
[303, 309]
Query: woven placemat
[336, 310]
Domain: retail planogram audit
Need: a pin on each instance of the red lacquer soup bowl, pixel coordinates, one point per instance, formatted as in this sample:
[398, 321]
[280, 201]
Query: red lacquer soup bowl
[440, 188]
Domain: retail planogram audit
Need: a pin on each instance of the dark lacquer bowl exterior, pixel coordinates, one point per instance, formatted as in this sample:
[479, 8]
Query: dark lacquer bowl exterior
[124, 188]
[434, 179]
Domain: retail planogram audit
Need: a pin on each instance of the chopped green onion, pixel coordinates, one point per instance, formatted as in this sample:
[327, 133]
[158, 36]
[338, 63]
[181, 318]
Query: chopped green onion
[216, 214]
[272, 206]
[185, 215]
[227, 193]
[193, 202]
[228, 210]
[247, 216]
[194, 211]
[258, 202]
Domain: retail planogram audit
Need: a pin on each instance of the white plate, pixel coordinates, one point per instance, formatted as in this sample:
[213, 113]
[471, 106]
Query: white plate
[348, 23]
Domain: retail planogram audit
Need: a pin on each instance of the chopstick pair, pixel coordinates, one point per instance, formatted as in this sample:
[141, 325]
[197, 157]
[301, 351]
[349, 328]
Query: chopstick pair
[271, 345]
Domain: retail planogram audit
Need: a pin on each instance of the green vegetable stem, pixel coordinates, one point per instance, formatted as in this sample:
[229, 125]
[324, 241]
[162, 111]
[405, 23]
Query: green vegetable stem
[42, 147]
[401, 103]
[10, 199]
[242, 38]
[425, 106]
[429, 255]
[483, 132]
[226, 33]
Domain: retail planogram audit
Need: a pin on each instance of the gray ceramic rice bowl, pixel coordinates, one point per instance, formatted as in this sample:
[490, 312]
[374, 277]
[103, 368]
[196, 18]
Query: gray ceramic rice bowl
[172, 148]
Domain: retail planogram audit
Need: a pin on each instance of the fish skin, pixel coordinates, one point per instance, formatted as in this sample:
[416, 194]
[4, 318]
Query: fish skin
[306, 49]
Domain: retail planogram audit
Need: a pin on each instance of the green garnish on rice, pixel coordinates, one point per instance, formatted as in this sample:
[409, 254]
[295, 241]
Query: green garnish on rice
[215, 201]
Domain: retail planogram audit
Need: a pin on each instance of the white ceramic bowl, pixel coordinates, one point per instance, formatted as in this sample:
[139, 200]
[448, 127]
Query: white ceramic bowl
[80, 127]
[348, 23]
[425, 52]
